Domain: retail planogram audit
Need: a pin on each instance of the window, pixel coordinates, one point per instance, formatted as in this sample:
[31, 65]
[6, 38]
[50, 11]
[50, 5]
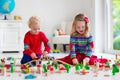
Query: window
[112, 14]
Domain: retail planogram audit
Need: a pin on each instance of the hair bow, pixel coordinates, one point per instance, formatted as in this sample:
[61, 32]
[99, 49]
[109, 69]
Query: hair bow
[86, 19]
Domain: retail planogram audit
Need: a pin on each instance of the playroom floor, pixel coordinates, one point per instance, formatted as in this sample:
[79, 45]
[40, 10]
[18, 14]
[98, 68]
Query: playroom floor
[62, 76]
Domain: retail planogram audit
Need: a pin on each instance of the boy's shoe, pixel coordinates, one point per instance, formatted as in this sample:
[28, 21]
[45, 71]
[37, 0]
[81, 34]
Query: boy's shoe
[33, 63]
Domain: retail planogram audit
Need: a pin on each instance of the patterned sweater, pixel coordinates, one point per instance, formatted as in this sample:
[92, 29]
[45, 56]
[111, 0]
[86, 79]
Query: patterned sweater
[81, 45]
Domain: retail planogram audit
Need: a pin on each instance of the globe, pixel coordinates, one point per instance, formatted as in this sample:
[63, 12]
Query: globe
[7, 6]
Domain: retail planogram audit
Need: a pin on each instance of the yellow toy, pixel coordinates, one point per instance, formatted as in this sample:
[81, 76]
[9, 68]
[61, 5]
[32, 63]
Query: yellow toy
[17, 18]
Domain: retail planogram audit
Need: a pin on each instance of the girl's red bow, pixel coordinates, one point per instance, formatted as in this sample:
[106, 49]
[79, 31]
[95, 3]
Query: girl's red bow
[86, 19]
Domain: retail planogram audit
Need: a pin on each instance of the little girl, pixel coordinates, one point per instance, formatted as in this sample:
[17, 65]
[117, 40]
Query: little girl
[33, 41]
[81, 42]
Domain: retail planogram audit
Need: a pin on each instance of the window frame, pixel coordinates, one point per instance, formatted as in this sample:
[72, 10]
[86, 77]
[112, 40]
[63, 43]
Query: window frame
[109, 29]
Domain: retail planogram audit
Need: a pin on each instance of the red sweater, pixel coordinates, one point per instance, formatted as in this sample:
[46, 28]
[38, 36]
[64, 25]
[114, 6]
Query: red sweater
[33, 43]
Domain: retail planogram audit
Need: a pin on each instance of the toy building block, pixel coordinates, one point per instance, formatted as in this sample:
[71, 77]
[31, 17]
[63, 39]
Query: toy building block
[2, 66]
[61, 68]
[115, 69]
[53, 63]
[12, 67]
[7, 66]
[87, 67]
[50, 68]
[56, 65]
[103, 60]
[26, 71]
[45, 70]
[46, 58]
[107, 66]
[102, 63]
[77, 68]
[8, 63]
[25, 68]
[81, 65]
[4, 71]
[39, 68]
[95, 67]
[11, 60]
[67, 67]
[48, 63]
[3, 61]
[30, 76]
[84, 71]
[101, 66]
[59, 61]
[117, 61]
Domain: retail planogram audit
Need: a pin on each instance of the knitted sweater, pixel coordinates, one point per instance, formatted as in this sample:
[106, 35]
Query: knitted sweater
[81, 45]
[33, 43]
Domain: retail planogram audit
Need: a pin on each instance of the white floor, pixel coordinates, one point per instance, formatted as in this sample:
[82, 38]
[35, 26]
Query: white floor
[63, 76]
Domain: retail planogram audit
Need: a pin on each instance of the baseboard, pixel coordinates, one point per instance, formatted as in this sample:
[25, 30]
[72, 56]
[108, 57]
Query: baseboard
[10, 51]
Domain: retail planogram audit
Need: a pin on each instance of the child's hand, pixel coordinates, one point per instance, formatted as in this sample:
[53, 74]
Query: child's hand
[86, 60]
[75, 61]
[33, 56]
[45, 53]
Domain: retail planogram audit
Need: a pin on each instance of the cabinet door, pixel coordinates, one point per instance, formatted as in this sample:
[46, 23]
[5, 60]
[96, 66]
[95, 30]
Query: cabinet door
[10, 36]
[10, 39]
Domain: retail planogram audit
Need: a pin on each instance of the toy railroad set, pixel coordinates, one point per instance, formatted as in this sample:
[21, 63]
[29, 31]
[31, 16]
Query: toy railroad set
[37, 66]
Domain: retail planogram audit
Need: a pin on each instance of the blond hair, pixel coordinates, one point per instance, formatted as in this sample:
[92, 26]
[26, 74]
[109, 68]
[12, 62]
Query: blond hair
[33, 20]
[80, 17]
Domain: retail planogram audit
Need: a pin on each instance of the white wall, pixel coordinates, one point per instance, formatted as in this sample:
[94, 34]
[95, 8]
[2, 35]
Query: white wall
[53, 12]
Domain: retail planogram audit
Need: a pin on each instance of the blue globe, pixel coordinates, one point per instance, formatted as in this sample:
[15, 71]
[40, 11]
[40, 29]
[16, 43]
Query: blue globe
[7, 6]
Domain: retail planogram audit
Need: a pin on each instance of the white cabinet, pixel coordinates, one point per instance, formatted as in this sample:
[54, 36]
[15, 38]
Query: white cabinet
[10, 36]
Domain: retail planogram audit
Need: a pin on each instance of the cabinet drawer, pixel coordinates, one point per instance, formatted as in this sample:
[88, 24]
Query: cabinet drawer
[10, 25]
